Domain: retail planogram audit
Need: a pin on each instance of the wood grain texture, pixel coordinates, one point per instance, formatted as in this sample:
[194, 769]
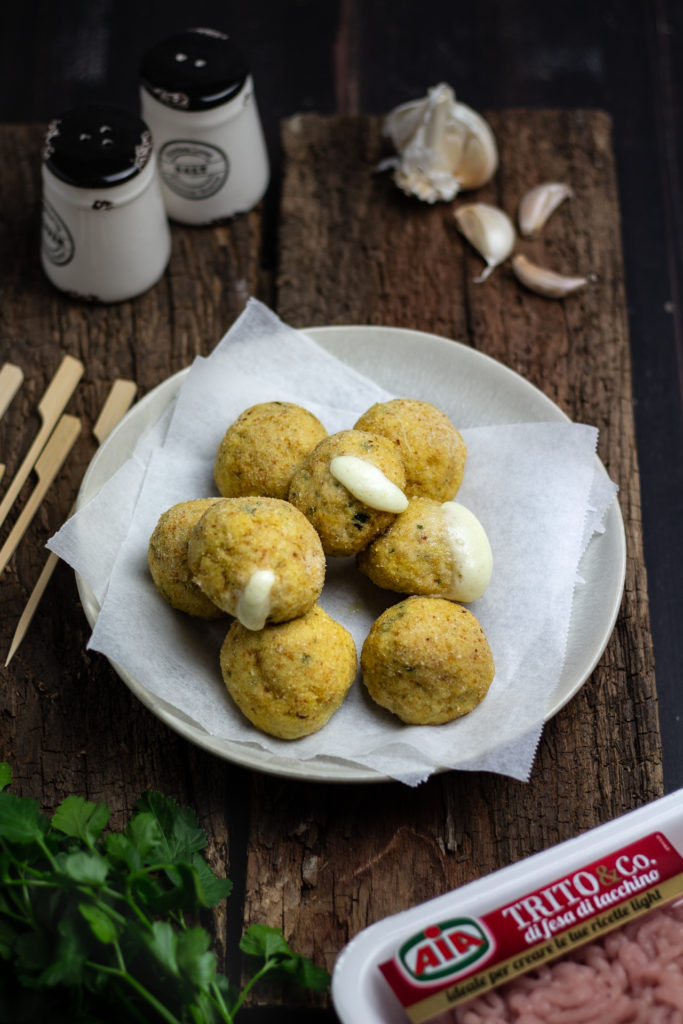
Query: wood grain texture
[322, 862]
[67, 723]
[325, 863]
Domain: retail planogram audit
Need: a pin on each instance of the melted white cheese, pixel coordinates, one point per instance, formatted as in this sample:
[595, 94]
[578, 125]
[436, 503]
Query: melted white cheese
[472, 555]
[253, 605]
[368, 483]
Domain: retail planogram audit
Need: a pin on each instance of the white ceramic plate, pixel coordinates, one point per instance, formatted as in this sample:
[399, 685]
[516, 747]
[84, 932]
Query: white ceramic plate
[473, 390]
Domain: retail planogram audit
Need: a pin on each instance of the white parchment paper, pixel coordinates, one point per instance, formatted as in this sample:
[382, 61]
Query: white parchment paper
[534, 486]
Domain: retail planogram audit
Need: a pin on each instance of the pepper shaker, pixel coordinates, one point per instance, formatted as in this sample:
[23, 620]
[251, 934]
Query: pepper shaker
[197, 96]
[105, 236]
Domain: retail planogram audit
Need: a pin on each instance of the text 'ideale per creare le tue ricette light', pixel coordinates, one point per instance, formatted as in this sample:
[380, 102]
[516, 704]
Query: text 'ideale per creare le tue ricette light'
[449, 961]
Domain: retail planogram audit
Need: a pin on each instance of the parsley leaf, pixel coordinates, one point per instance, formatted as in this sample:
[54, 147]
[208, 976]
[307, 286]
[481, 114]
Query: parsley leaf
[179, 835]
[101, 924]
[85, 867]
[99, 927]
[80, 818]
[20, 819]
[268, 943]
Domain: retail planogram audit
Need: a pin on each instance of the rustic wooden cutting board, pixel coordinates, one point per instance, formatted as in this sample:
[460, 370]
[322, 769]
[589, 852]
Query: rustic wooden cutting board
[324, 861]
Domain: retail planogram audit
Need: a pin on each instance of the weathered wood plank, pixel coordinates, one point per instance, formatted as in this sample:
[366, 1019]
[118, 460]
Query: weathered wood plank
[324, 863]
[67, 723]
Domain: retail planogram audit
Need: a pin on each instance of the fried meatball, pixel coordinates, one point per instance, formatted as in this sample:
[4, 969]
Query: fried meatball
[432, 450]
[427, 660]
[346, 523]
[289, 679]
[435, 549]
[257, 558]
[167, 559]
[261, 449]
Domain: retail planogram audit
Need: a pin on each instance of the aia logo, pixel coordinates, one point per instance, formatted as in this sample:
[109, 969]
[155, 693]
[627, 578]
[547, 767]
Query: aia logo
[445, 950]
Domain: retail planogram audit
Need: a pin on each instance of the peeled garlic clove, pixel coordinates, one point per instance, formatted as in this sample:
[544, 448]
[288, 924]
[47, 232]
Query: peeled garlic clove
[537, 205]
[489, 230]
[543, 281]
[443, 146]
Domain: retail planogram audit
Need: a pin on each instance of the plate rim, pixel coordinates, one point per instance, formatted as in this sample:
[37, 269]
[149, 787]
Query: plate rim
[333, 769]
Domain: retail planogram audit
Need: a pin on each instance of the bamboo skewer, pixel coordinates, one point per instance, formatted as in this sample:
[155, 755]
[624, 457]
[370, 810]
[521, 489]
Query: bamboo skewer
[50, 407]
[47, 466]
[11, 379]
[117, 403]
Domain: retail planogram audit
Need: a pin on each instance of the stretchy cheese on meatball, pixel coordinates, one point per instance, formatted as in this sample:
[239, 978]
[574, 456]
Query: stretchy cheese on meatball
[435, 549]
[261, 450]
[289, 679]
[257, 558]
[427, 660]
[167, 559]
[432, 450]
[350, 488]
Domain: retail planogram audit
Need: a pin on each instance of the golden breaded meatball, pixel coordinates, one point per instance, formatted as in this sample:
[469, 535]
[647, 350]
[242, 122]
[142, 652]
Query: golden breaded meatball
[432, 450]
[427, 660]
[289, 679]
[261, 449]
[167, 559]
[434, 548]
[346, 524]
[257, 558]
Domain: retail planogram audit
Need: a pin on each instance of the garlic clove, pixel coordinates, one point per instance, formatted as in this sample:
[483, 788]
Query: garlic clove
[538, 204]
[479, 154]
[443, 147]
[489, 230]
[543, 281]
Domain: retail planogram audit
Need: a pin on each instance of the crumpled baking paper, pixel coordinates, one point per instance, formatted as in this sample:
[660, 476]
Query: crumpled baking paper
[535, 487]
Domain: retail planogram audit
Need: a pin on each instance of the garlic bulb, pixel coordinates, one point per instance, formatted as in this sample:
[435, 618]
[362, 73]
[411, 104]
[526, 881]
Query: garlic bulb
[545, 282]
[489, 230]
[537, 205]
[443, 147]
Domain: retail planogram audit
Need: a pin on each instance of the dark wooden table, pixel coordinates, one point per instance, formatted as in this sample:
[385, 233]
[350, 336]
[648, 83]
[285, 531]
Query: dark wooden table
[575, 94]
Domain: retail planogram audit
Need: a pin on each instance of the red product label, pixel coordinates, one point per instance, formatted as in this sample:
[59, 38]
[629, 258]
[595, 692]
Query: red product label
[538, 926]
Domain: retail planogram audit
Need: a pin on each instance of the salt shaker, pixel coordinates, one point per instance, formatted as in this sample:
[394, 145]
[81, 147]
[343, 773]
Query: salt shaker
[105, 235]
[197, 96]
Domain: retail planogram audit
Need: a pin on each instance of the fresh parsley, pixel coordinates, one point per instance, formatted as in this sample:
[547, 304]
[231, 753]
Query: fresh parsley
[99, 926]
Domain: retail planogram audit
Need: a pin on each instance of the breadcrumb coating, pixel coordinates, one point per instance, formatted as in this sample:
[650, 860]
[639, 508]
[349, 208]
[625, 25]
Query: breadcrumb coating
[423, 552]
[289, 679]
[237, 537]
[260, 451]
[344, 523]
[167, 559]
[433, 451]
[427, 660]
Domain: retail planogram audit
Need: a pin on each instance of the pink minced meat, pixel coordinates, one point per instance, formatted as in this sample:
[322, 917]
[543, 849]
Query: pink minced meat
[632, 976]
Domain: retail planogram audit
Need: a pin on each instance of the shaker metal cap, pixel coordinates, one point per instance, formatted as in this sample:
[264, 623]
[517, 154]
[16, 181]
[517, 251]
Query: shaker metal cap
[194, 70]
[97, 146]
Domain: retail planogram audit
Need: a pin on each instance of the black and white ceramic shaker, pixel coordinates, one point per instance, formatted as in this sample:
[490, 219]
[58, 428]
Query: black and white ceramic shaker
[105, 235]
[197, 96]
